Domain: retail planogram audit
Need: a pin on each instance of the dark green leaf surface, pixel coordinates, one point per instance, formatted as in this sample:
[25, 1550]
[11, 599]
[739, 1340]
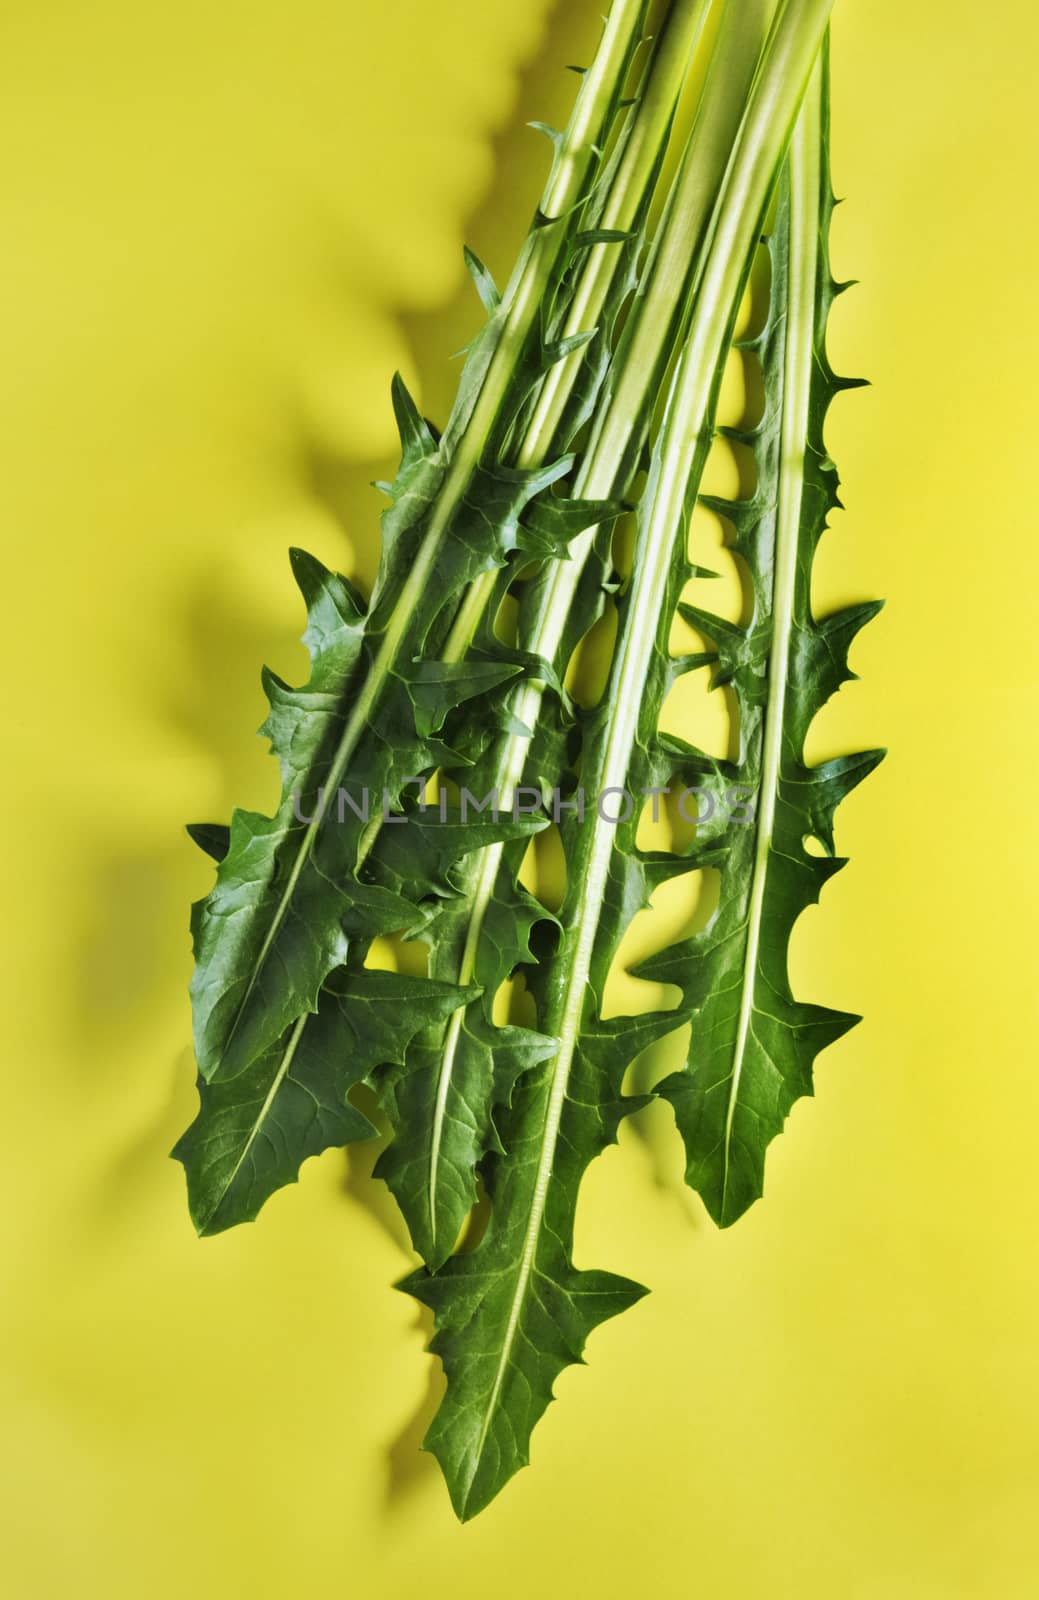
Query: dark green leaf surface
[289, 894]
[516, 1311]
[253, 1132]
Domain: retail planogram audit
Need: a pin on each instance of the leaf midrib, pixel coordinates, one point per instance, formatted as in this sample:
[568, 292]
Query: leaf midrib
[254, 1132]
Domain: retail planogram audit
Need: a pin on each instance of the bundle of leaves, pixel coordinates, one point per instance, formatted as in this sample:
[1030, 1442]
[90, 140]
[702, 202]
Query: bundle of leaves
[430, 745]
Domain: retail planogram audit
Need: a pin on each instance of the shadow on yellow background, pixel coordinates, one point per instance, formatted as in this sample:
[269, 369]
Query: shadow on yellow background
[225, 227]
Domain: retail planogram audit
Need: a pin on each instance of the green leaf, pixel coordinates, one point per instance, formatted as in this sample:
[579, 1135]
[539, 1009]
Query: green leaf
[253, 1132]
[753, 1045]
[441, 1103]
[212, 837]
[438, 687]
[515, 1312]
[485, 285]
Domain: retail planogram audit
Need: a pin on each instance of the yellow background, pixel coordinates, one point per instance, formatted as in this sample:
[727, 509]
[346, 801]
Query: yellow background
[224, 226]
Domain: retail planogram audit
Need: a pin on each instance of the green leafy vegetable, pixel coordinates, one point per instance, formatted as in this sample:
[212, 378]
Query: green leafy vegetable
[253, 1132]
[425, 751]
